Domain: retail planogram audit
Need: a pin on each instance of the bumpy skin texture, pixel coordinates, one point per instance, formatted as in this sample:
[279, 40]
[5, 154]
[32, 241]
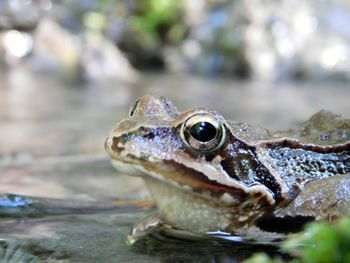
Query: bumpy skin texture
[256, 181]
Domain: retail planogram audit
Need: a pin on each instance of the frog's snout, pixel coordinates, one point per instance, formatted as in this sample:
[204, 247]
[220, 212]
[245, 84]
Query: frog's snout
[114, 145]
[111, 145]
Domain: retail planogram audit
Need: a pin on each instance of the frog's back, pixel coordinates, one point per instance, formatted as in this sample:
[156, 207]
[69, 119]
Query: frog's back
[324, 128]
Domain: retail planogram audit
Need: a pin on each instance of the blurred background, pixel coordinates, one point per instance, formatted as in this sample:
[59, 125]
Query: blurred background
[70, 69]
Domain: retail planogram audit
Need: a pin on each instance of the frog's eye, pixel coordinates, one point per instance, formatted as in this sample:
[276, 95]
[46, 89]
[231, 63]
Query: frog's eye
[203, 132]
[133, 108]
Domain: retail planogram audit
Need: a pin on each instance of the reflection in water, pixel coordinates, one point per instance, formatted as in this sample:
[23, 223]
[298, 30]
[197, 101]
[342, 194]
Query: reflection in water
[13, 201]
[78, 231]
[152, 236]
[12, 252]
[165, 244]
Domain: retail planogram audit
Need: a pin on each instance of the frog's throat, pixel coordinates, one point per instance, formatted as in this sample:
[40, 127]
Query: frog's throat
[195, 213]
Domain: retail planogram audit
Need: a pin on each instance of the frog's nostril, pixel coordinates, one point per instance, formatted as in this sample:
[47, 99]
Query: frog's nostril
[111, 144]
[114, 143]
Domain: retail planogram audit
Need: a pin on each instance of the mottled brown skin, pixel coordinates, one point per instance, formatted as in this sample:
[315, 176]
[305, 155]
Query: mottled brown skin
[254, 181]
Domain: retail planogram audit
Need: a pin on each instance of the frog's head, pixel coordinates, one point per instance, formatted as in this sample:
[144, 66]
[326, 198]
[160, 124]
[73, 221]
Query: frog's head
[192, 150]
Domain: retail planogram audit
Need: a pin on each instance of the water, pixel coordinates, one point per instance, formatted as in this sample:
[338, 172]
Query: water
[101, 237]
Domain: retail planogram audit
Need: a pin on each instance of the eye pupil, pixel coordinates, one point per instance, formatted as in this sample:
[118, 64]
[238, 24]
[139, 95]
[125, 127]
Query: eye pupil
[203, 131]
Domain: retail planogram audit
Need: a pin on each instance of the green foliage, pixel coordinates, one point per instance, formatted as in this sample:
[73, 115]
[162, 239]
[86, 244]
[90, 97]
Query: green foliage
[157, 20]
[262, 258]
[320, 243]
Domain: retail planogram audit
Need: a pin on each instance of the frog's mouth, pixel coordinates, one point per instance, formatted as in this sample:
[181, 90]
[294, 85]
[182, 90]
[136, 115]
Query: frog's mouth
[125, 167]
[188, 180]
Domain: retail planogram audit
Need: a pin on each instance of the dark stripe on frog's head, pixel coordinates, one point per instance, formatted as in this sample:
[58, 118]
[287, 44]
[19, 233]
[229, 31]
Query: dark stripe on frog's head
[239, 161]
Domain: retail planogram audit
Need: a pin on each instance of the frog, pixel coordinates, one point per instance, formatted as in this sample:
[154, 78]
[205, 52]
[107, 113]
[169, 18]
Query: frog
[212, 175]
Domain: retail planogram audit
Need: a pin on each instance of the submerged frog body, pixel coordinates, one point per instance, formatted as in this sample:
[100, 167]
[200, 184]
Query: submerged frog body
[208, 174]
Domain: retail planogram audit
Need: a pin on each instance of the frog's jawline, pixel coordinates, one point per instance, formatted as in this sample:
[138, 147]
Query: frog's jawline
[201, 181]
[197, 183]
